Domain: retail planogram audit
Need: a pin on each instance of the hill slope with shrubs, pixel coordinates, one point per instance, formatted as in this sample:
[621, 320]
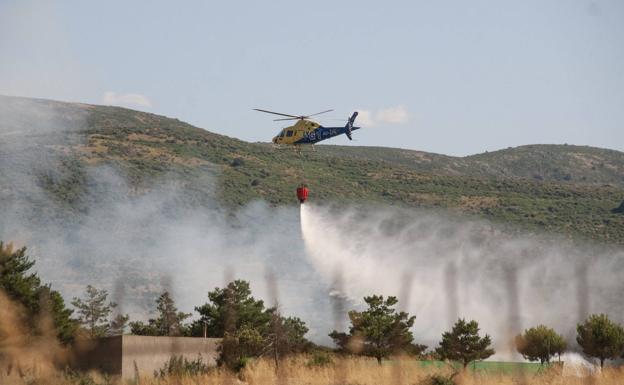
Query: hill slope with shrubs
[61, 149]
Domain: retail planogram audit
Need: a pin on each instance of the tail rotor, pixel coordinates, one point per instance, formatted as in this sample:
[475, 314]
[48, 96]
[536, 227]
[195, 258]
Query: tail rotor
[349, 125]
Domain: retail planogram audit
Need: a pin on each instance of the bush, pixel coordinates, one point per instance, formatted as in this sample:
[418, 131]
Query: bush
[241, 363]
[438, 379]
[179, 366]
[320, 358]
[74, 377]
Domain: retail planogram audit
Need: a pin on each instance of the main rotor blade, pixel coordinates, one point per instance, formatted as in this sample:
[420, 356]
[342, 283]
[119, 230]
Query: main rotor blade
[278, 120]
[322, 112]
[276, 113]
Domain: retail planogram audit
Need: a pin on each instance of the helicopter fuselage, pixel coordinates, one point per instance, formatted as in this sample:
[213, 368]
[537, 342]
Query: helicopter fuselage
[308, 132]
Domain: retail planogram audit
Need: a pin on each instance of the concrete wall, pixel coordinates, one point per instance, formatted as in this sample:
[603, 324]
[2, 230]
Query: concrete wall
[129, 356]
[101, 354]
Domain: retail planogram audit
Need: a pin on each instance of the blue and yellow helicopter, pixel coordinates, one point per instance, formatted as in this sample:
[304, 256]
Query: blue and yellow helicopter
[306, 131]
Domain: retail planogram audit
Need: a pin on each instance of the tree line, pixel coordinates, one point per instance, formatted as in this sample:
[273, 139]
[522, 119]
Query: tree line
[250, 329]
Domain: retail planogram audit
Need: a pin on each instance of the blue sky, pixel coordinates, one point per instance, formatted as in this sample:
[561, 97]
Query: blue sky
[453, 77]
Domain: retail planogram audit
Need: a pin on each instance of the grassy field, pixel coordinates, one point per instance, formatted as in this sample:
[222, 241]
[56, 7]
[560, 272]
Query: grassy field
[342, 371]
[491, 367]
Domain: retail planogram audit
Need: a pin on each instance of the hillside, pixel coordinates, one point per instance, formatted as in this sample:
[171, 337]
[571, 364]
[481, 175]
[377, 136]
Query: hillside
[541, 162]
[61, 148]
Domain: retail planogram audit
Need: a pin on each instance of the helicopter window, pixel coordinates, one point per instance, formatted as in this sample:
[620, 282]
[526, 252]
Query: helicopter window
[289, 133]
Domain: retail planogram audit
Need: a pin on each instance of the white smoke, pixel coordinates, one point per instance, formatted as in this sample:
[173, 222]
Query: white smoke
[391, 115]
[575, 365]
[126, 100]
[462, 268]
[137, 242]
[137, 247]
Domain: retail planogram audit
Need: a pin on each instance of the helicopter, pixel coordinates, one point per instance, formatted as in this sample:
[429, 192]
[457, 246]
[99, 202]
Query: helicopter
[306, 131]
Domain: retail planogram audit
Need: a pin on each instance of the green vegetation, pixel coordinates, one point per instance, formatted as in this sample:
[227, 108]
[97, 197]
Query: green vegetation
[248, 328]
[601, 338]
[541, 162]
[569, 190]
[93, 313]
[36, 301]
[170, 321]
[378, 331]
[490, 367]
[74, 377]
[179, 366]
[540, 344]
[464, 344]
[232, 307]
[320, 358]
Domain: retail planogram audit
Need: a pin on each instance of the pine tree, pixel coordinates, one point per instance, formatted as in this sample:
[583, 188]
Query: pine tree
[378, 331]
[93, 311]
[464, 344]
[27, 290]
[15, 280]
[601, 338]
[248, 328]
[232, 307]
[540, 344]
[170, 321]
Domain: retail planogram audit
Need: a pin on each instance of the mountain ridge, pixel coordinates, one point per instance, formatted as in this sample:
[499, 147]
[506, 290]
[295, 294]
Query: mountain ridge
[607, 164]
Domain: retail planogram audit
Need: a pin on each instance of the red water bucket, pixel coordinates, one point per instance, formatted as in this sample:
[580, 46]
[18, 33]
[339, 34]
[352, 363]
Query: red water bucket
[302, 193]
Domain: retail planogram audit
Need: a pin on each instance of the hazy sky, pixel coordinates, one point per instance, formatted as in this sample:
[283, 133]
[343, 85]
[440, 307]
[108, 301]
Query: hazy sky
[454, 77]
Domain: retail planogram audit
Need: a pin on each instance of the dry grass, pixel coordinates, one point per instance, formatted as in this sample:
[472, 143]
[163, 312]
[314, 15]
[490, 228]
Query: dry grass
[350, 371]
[35, 361]
[23, 357]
